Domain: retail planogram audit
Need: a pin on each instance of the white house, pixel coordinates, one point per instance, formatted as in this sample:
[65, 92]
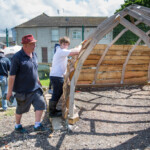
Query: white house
[47, 30]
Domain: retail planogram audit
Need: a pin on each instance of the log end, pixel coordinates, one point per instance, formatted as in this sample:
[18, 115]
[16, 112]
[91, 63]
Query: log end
[74, 119]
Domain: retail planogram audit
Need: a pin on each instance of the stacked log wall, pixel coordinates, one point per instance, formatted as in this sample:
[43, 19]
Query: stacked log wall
[110, 70]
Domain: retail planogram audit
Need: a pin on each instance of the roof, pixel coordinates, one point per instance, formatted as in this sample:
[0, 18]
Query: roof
[44, 20]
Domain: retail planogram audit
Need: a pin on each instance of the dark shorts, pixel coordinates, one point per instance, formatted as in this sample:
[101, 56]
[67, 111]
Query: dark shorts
[24, 101]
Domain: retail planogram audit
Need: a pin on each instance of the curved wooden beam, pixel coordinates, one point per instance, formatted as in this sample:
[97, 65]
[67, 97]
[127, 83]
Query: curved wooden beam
[107, 21]
[140, 17]
[97, 37]
[135, 30]
[76, 75]
[143, 10]
[145, 13]
[127, 59]
[106, 50]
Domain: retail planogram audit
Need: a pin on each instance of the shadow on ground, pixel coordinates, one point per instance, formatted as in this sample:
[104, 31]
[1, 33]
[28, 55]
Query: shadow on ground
[110, 119]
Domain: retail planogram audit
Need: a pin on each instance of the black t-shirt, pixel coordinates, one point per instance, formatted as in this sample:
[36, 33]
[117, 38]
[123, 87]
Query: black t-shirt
[4, 65]
[26, 71]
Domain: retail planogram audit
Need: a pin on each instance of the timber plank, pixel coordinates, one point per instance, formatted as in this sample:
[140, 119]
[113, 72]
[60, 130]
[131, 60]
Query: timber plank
[97, 57]
[119, 67]
[84, 76]
[121, 62]
[136, 80]
[114, 68]
[93, 57]
[131, 57]
[90, 62]
[136, 67]
[117, 75]
[123, 53]
[116, 61]
[100, 46]
[84, 82]
[128, 47]
[121, 47]
[126, 81]
[88, 70]
[108, 81]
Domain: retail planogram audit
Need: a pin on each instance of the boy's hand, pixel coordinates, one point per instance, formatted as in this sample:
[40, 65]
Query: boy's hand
[83, 42]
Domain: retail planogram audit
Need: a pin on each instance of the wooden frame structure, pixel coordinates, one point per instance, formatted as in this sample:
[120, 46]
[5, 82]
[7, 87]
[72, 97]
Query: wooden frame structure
[141, 14]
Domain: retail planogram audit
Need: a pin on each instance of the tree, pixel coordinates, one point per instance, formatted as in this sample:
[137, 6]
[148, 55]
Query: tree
[127, 3]
[129, 37]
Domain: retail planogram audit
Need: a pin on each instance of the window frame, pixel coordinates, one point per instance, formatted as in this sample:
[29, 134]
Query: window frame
[77, 34]
[55, 36]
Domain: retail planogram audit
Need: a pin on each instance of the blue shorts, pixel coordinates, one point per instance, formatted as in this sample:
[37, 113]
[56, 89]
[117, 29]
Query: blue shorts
[24, 101]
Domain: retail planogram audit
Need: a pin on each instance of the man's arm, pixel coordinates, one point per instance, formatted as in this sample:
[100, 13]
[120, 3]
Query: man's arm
[39, 82]
[10, 86]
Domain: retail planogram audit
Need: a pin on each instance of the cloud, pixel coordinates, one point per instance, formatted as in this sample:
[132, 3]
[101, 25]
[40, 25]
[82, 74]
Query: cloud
[15, 12]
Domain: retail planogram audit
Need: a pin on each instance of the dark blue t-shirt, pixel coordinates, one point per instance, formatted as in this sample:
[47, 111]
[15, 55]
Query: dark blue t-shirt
[4, 65]
[26, 71]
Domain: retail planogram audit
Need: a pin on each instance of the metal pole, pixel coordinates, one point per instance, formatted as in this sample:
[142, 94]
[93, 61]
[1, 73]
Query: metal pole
[7, 43]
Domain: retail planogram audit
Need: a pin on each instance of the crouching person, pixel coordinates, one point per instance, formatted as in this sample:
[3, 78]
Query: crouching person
[24, 81]
[58, 70]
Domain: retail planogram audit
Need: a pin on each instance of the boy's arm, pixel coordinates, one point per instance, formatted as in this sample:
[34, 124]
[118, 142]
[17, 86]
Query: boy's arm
[75, 51]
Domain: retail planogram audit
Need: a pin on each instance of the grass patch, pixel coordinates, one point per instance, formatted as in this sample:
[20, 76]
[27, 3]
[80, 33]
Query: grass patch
[45, 82]
[9, 112]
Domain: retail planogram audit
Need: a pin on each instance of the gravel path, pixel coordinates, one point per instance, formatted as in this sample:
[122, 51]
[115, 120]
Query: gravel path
[110, 119]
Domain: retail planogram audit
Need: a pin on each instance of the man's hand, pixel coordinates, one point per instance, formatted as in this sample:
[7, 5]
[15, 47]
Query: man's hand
[8, 96]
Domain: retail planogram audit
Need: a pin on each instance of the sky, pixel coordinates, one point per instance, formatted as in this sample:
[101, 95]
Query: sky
[16, 12]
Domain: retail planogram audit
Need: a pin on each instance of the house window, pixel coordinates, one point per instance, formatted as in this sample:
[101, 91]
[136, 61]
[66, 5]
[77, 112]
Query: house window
[55, 35]
[76, 34]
